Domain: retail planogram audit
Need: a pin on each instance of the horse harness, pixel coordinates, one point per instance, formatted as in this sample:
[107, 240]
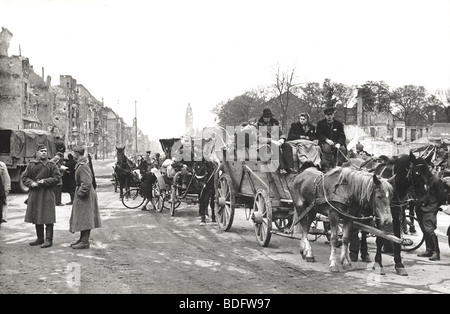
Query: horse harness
[317, 184]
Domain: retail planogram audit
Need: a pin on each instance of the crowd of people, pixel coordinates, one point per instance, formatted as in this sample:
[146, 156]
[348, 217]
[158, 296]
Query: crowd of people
[47, 179]
[323, 146]
[327, 140]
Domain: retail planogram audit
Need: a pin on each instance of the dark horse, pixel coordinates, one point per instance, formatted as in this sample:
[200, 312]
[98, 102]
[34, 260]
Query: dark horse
[411, 175]
[341, 193]
[203, 176]
[124, 170]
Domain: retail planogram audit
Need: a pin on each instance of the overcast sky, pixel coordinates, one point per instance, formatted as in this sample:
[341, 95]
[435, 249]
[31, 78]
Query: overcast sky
[166, 54]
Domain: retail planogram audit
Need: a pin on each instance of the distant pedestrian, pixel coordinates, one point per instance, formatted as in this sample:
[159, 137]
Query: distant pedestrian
[85, 214]
[40, 176]
[6, 183]
[147, 180]
[59, 145]
[58, 160]
[69, 177]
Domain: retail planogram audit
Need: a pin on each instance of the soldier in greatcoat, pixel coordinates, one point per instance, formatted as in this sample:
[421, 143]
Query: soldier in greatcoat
[85, 214]
[41, 175]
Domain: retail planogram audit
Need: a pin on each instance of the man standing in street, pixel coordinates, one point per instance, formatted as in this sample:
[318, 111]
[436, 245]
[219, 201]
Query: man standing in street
[332, 140]
[6, 183]
[85, 214]
[41, 176]
[427, 217]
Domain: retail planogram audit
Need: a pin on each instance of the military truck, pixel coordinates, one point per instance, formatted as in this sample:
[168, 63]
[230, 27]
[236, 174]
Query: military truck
[18, 147]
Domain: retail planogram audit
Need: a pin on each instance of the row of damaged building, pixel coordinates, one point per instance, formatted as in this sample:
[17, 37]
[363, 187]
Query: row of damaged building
[67, 110]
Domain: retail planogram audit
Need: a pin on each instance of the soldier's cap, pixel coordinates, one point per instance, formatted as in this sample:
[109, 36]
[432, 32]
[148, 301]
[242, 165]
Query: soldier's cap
[329, 110]
[40, 147]
[78, 149]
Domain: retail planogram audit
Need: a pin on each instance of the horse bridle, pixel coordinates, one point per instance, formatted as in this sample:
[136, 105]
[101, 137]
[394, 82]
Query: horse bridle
[410, 177]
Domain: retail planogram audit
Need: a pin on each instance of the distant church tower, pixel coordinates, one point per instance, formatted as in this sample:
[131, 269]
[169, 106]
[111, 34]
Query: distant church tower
[189, 121]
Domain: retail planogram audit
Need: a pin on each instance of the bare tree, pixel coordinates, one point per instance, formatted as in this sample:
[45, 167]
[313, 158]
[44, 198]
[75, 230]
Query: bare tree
[284, 87]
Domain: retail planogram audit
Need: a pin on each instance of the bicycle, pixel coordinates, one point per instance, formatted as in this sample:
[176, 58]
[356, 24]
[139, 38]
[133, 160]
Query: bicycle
[132, 198]
[411, 232]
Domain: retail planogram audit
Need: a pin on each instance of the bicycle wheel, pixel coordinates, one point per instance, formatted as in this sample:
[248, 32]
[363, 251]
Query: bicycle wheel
[411, 234]
[132, 199]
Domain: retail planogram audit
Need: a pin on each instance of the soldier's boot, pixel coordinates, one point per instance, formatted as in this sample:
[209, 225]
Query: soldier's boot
[48, 236]
[84, 243]
[428, 247]
[435, 245]
[76, 242]
[39, 234]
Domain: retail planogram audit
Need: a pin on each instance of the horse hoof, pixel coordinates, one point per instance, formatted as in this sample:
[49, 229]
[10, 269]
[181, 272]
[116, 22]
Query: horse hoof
[347, 267]
[334, 269]
[401, 272]
[310, 259]
[378, 270]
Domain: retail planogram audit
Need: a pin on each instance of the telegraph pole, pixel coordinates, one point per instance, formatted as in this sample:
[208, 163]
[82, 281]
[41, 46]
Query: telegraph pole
[135, 125]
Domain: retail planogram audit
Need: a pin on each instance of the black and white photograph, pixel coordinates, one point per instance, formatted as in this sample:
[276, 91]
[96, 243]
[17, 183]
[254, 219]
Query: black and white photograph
[226, 154]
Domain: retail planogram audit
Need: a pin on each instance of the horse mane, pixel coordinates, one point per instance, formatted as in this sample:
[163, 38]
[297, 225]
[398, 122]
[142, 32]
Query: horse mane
[361, 183]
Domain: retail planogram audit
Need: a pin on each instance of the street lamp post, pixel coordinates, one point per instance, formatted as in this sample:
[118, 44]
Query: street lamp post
[135, 126]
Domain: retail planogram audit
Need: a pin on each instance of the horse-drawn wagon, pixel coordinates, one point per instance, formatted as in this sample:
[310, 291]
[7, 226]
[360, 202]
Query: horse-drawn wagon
[187, 174]
[292, 202]
[127, 179]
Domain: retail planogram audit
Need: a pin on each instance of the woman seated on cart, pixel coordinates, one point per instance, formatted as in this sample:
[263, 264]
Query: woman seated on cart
[302, 136]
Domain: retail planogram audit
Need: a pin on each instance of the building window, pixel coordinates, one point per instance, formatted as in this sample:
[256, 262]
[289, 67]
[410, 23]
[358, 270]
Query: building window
[400, 133]
[413, 134]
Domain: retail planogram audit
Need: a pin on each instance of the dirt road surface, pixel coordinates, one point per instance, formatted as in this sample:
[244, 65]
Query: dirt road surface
[138, 252]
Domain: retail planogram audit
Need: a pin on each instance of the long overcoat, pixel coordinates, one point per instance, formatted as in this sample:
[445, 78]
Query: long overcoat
[69, 177]
[41, 199]
[85, 212]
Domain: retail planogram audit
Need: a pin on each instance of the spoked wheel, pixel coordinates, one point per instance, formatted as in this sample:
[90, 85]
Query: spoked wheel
[411, 234]
[225, 202]
[168, 200]
[448, 236]
[158, 197]
[132, 198]
[262, 218]
[174, 202]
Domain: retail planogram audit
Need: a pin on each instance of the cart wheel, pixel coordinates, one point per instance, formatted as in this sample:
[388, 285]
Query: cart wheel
[175, 192]
[173, 198]
[411, 234]
[448, 236]
[225, 202]
[262, 218]
[168, 203]
[158, 196]
[132, 198]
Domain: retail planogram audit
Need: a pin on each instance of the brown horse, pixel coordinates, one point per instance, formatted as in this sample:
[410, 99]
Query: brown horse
[124, 170]
[341, 193]
[410, 175]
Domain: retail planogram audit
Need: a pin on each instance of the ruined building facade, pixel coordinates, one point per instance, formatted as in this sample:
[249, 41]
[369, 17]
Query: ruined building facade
[68, 110]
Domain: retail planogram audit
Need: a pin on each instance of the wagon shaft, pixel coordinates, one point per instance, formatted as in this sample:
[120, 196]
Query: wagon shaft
[379, 233]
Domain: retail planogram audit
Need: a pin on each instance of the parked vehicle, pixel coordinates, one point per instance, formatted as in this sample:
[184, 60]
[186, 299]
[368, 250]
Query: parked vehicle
[18, 147]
